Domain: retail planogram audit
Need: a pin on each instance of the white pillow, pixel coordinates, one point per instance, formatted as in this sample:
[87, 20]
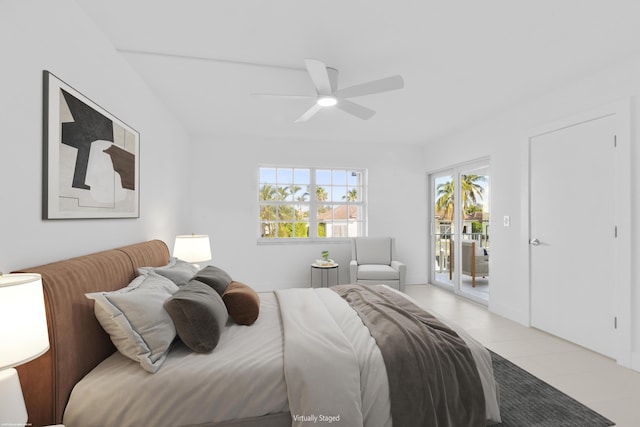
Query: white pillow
[136, 321]
[178, 271]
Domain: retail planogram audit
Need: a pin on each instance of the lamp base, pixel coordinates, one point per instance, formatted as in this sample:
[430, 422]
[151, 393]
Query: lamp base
[12, 409]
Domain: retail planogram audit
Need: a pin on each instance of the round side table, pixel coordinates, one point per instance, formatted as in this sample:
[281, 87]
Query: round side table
[325, 273]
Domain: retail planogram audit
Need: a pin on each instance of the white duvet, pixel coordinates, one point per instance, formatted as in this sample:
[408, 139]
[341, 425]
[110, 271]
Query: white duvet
[336, 392]
[334, 369]
[242, 377]
[328, 369]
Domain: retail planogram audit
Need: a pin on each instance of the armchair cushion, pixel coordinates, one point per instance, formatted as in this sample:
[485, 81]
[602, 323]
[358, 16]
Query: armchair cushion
[377, 272]
[373, 250]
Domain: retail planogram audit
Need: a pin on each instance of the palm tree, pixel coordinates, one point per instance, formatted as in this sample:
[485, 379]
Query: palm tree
[471, 210]
[292, 190]
[268, 212]
[267, 192]
[445, 200]
[352, 195]
[282, 193]
[303, 197]
[472, 192]
[300, 213]
[321, 194]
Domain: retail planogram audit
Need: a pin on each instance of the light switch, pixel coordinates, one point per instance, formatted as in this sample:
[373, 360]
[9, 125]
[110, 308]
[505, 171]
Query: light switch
[507, 221]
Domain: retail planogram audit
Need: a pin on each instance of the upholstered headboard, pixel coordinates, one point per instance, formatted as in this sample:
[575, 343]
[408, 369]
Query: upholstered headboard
[77, 341]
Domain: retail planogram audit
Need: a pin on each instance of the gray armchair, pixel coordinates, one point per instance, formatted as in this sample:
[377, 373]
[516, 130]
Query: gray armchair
[373, 263]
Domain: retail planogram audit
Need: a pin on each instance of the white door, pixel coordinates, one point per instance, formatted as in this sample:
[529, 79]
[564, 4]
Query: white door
[572, 233]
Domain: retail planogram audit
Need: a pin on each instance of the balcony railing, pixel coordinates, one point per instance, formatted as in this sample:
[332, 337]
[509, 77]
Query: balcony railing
[444, 247]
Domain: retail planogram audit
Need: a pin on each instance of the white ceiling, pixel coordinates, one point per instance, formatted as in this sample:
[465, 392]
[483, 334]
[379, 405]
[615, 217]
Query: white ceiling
[461, 60]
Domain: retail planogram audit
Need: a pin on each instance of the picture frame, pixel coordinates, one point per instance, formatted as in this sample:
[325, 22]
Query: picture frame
[91, 161]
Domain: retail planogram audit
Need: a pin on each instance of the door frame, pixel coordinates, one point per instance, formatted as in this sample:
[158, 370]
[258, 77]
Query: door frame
[622, 216]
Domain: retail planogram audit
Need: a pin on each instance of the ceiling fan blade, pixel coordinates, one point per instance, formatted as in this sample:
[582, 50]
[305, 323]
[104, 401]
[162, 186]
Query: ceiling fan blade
[309, 113]
[369, 88]
[284, 96]
[319, 75]
[333, 78]
[354, 109]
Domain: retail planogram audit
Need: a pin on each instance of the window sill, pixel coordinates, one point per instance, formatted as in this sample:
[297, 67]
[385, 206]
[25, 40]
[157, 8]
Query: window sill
[281, 241]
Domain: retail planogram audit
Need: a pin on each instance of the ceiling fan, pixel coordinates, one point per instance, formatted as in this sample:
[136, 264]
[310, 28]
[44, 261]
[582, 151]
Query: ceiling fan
[325, 80]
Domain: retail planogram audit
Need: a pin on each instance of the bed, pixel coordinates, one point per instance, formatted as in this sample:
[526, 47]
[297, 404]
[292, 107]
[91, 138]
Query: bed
[307, 359]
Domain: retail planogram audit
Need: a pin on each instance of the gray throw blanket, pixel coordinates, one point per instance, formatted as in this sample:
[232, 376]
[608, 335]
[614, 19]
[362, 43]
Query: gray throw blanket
[433, 380]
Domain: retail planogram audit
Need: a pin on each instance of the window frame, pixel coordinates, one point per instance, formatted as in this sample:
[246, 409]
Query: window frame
[313, 204]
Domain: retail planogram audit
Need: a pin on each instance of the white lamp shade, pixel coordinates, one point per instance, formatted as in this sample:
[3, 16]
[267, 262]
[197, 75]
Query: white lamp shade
[23, 322]
[192, 248]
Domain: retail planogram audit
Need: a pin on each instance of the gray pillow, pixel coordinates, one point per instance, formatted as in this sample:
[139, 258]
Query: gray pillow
[178, 271]
[199, 315]
[136, 321]
[215, 277]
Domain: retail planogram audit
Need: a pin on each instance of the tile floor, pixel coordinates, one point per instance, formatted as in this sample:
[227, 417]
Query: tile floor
[588, 377]
[481, 290]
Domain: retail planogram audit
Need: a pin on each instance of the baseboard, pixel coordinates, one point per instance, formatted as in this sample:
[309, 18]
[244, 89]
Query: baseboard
[510, 313]
[635, 361]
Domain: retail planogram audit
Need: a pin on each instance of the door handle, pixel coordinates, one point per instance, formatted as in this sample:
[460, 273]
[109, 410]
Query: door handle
[534, 242]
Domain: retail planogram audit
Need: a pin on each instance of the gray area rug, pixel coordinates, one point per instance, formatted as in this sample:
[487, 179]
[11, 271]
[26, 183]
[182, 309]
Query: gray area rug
[527, 401]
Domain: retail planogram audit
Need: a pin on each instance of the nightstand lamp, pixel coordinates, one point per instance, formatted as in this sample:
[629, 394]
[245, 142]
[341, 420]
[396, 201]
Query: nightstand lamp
[23, 337]
[193, 248]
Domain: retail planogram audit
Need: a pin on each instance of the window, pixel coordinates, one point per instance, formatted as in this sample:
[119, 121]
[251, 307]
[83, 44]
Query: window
[311, 203]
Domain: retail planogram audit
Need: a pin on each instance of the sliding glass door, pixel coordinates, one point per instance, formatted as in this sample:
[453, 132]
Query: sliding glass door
[460, 230]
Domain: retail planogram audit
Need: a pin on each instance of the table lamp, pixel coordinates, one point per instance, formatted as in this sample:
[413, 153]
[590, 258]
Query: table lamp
[193, 248]
[23, 337]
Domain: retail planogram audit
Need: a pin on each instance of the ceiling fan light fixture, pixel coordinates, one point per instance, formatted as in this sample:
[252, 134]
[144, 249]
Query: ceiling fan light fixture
[327, 101]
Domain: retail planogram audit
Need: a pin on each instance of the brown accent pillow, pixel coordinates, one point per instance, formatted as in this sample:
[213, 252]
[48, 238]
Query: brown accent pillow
[243, 303]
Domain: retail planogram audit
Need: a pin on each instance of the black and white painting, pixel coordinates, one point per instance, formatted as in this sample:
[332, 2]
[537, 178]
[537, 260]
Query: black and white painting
[91, 158]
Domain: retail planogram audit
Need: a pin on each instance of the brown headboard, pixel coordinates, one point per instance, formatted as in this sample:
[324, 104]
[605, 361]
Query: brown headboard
[77, 341]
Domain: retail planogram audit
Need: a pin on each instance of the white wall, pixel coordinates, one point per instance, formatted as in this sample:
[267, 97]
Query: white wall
[502, 138]
[225, 205]
[57, 36]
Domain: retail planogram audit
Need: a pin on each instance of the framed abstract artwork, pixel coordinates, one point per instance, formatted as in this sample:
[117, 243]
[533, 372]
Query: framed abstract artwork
[91, 158]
